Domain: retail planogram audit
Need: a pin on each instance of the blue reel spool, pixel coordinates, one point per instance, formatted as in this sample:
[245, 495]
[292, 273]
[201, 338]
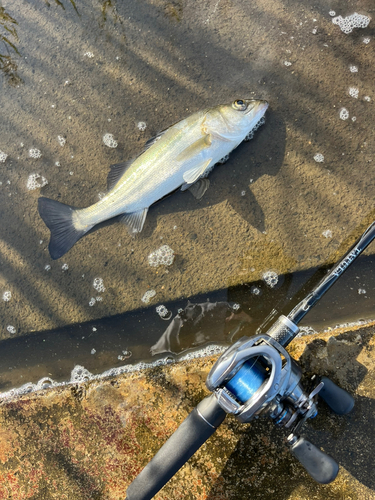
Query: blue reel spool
[247, 380]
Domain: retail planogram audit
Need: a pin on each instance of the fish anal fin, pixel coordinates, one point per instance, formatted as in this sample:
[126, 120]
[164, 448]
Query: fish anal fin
[193, 174]
[195, 148]
[116, 172]
[134, 221]
[198, 188]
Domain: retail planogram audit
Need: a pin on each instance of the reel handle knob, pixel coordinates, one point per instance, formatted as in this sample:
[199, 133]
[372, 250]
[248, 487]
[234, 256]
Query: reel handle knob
[340, 401]
[318, 464]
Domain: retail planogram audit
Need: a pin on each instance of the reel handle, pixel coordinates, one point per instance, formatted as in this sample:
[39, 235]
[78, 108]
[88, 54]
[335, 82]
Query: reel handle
[197, 427]
[318, 464]
[340, 401]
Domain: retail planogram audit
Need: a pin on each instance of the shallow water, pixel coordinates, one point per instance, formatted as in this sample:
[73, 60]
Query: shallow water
[80, 70]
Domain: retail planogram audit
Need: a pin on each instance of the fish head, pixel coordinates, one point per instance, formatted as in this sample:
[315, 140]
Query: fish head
[236, 120]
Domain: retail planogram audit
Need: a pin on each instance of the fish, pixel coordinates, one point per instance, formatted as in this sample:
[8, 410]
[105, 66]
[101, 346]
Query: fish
[179, 157]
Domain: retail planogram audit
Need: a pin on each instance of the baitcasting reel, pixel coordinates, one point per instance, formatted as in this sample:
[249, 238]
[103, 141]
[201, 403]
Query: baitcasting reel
[257, 377]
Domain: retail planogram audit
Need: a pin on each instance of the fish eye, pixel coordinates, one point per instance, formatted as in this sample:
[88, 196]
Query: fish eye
[240, 105]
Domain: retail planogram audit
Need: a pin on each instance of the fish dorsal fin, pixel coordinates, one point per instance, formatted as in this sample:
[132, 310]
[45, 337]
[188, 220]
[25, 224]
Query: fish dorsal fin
[134, 222]
[116, 172]
[193, 174]
[195, 148]
[118, 169]
[152, 140]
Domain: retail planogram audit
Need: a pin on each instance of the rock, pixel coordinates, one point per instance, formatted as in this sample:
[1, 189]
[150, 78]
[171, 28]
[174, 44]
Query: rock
[89, 441]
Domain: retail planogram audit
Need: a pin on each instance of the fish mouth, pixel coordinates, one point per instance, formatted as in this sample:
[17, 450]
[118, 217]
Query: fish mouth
[259, 106]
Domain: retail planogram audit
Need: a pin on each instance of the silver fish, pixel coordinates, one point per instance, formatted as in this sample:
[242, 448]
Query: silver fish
[180, 156]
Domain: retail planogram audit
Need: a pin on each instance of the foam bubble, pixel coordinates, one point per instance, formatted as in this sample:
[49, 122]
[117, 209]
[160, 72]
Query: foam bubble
[306, 330]
[255, 290]
[243, 193]
[142, 126]
[80, 374]
[353, 92]
[99, 285]
[99, 298]
[89, 54]
[327, 233]
[65, 267]
[235, 306]
[36, 181]
[93, 351]
[11, 329]
[361, 291]
[366, 40]
[332, 13]
[367, 98]
[287, 63]
[92, 301]
[347, 24]
[35, 153]
[7, 296]
[224, 159]
[3, 157]
[47, 267]
[319, 158]
[163, 312]
[344, 114]
[148, 296]
[353, 68]
[109, 141]
[271, 278]
[163, 256]
[61, 140]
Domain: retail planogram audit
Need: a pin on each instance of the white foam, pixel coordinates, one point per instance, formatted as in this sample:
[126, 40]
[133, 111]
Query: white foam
[65, 267]
[109, 141]
[141, 126]
[99, 285]
[353, 92]
[319, 158]
[36, 181]
[61, 140]
[327, 233]
[11, 329]
[163, 256]
[353, 68]
[35, 153]
[89, 54]
[344, 114]
[164, 313]
[148, 296]
[3, 156]
[271, 278]
[7, 296]
[347, 24]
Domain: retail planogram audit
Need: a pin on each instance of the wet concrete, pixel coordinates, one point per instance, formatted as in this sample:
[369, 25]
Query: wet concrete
[88, 441]
[157, 62]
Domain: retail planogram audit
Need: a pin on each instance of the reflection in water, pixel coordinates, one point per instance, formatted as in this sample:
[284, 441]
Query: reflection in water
[8, 50]
[197, 320]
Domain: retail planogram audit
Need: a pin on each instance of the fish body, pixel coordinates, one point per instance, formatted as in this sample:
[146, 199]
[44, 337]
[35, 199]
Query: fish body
[181, 156]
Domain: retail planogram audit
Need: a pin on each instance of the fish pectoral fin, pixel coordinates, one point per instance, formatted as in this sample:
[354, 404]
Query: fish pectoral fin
[195, 148]
[193, 175]
[134, 222]
[198, 188]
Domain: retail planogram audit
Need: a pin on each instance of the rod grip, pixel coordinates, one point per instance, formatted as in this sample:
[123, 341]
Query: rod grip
[198, 426]
[318, 464]
[340, 401]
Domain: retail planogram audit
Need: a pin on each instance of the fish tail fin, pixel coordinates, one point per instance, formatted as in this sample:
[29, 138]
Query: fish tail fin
[58, 217]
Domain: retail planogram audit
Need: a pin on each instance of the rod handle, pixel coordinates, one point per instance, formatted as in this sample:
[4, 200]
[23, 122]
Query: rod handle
[197, 427]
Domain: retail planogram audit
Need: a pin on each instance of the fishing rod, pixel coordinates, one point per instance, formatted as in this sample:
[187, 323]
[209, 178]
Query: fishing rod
[257, 377]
